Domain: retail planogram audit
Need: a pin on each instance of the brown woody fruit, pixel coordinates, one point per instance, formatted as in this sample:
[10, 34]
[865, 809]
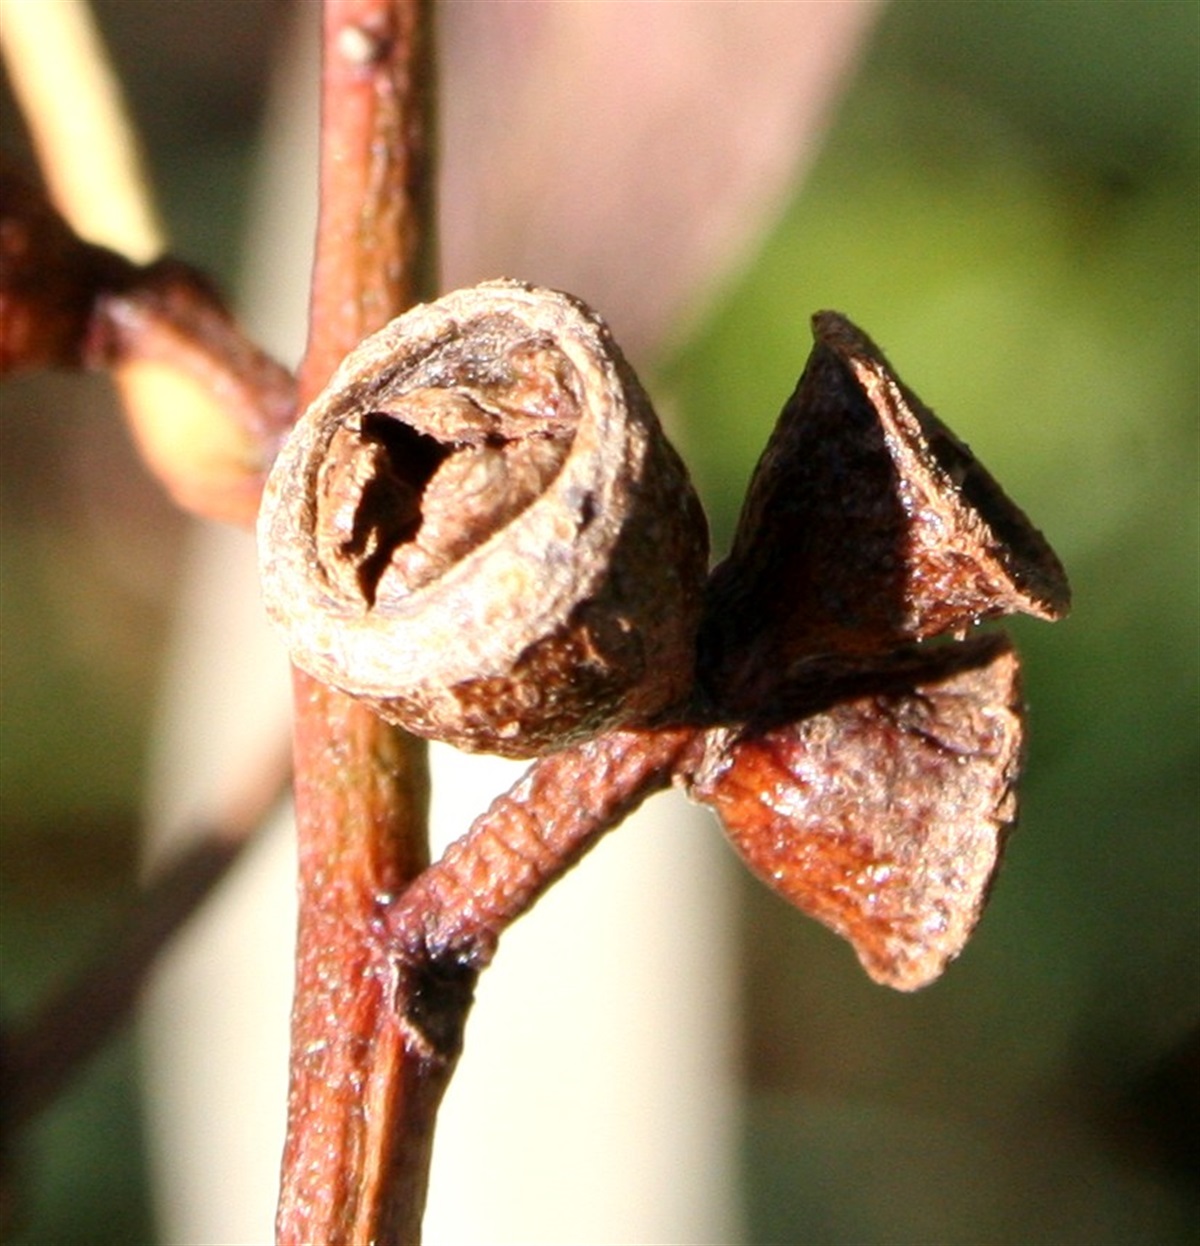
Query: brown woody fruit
[884, 815]
[480, 528]
[867, 525]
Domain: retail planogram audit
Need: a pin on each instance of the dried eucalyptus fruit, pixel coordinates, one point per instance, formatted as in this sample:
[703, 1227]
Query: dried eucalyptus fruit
[883, 815]
[867, 525]
[866, 776]
[480, 528]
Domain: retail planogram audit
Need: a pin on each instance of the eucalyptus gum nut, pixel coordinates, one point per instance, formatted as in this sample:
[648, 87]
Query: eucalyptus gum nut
[883, 815]
[480, 528]
[867, 526]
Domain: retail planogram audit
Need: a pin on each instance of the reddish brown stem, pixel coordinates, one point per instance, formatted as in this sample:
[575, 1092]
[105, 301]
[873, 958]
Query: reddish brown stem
[362, 1102]
[375, 248]
[401, 986]
[207, 406]
[453, 915]
[361, 791]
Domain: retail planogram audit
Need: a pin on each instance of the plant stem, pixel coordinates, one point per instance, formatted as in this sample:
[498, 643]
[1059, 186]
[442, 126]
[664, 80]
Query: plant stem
[75, 111]
[454, 914]
[206, 406]
[362, 1102]
[361, 790]
[376, 253]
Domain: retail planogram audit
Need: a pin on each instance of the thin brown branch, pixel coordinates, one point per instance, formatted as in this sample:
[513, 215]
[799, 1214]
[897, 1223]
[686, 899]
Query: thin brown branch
[206, 405]
[376, 253]
[398, 988]
[362, 1102]
[454, 914]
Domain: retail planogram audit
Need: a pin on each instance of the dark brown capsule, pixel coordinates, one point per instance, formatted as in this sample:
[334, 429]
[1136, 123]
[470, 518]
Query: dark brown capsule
[868, 525]
[884, 815]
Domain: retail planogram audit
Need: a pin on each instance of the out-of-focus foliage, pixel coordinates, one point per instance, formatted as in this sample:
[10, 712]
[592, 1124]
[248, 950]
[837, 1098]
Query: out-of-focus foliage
[89, 552]
[1008, 203]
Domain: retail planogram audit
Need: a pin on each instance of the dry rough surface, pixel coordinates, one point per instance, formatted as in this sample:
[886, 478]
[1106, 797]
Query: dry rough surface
[481, 529]
[868, 525]
[883, 816]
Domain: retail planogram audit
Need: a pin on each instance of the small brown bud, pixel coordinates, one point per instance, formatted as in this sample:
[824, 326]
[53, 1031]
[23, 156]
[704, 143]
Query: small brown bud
[867, 525]
[480, 528]
[884, 816]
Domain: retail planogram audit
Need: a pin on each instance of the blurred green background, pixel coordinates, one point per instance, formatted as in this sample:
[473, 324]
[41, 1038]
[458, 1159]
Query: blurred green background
[1008, 201]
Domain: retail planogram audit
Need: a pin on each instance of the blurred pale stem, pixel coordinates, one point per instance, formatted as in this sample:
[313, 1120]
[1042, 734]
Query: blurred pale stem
[76, 115]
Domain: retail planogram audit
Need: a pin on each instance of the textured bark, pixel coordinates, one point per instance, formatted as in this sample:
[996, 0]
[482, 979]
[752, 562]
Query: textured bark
[455, 913]
[362, 1102]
